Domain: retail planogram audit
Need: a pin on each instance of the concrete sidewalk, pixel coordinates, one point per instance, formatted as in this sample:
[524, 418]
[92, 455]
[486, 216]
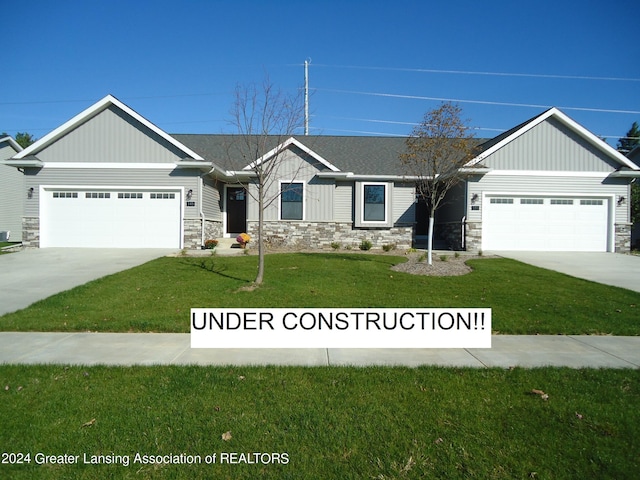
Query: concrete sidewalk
[174, 349]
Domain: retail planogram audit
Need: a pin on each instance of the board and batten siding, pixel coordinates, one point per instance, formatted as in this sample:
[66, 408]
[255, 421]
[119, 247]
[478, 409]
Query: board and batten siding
[111, 137]
[550, 146]
[588, 186]
[296, 166]
[110, 177]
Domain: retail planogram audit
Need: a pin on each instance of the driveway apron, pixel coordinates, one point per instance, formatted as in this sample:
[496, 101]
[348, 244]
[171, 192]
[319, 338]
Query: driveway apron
[608, 268]
[34, 274]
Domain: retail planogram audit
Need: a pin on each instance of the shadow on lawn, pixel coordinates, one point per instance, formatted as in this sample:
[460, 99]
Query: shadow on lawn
[210, 265]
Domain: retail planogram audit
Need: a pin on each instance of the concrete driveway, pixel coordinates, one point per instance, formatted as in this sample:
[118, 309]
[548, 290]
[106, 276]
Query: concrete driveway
[609, 268]
[33, 274]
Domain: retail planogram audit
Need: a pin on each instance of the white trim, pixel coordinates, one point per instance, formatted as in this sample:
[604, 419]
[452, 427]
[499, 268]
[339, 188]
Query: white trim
[286, 144]
[15, 145]
[547, 173]
[91, 112]
[304, 198]
[93, 165]
[568, 122]
[387, 198]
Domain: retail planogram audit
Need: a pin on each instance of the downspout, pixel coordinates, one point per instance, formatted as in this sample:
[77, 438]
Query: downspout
[201, 210]
[462, 235]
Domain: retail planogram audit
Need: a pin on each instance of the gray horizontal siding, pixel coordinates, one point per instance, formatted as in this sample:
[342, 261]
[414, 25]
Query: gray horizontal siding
[12, 195]
[549, 185]
[111, 137]
[403, 204]
[132, 177]
[343, 202]
[550, 146]
[211, 200]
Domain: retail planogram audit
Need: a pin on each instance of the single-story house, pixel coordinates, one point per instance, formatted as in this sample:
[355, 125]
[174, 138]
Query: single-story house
[12, 193]
[110, 178]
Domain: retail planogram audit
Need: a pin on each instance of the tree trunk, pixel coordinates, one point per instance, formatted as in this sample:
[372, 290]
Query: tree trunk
[260, 275]
[430, 241]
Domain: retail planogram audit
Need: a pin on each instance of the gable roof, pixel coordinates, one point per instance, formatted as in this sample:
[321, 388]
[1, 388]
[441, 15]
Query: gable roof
[496, 143]
[91, 112]
[12, 143]
[363, 155]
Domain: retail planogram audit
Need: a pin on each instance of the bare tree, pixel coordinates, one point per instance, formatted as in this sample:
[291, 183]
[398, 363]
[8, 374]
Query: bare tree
[264, 117]
[436, 150]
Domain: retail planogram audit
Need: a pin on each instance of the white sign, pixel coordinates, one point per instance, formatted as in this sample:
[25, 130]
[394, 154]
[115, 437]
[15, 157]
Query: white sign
[341, 328]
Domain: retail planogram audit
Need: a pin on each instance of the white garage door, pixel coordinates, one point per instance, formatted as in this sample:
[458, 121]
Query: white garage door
[545, 223]
[120, 218]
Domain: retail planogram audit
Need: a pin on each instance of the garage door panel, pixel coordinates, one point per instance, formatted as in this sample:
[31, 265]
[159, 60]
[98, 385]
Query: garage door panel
[110, 219]
[544, 223]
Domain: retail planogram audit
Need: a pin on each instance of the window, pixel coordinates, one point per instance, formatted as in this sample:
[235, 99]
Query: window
[590, 202]
[65, 194]
[561, 201]
[374, 203]
[291, 201]
[531, 201]
[163, 196]
[97, 195]
[129, 195]
[501, 200]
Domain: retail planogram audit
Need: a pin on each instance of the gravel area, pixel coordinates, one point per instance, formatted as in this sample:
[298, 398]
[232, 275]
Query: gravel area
[443, 265]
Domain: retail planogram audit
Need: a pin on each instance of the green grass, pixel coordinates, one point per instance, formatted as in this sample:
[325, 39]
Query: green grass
[158, 296]
[334, 423]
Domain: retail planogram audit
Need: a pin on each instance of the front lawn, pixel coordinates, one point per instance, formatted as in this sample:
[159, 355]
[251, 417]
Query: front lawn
[333, 423]
[158, 296]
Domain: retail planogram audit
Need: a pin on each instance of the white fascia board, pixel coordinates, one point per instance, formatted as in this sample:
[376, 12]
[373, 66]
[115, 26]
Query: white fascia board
[92, 111]
[625, 174]
[24, 163]
[15, 145]
[116, 165]
[286, 144]
[377, 178]
[567, 121]
[547, 173]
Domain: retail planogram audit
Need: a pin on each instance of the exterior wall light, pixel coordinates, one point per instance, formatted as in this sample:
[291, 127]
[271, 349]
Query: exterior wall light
[30, 192]
[621, 200]
[189, 194]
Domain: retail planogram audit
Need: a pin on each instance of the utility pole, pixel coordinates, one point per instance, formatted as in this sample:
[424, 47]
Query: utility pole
[306, 97]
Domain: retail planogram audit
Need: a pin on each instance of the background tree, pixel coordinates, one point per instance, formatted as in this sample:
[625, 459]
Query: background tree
[436, 150]
[631, 140]
[264, 118]
[23, 139]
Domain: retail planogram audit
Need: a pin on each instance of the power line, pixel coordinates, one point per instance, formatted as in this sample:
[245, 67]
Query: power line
[480, 102]
[469, 72]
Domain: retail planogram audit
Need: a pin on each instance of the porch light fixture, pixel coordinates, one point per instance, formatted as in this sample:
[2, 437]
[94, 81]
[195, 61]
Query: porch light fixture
[474, 198]
[621, 200]
[30, 192]
[189, 194]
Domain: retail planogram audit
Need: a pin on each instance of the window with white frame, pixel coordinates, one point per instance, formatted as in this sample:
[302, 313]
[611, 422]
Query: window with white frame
[291, 200]
[373, 205]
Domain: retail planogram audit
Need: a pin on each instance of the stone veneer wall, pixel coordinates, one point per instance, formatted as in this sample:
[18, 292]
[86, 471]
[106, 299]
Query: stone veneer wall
[193, 232]
[31, 232]
[323, 234]
[623, 237]
[473, 236]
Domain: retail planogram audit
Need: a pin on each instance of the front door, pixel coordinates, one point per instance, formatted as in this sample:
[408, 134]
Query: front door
[236, 210]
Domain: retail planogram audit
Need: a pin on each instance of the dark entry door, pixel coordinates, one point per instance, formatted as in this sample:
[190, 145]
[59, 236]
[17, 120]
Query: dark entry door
[236, 210]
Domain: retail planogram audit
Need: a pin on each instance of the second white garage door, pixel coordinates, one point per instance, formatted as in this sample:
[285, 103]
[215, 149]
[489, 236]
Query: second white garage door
[114, 218]
[545, 223]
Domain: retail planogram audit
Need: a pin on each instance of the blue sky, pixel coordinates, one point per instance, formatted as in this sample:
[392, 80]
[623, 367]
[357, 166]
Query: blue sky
[177, 63]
